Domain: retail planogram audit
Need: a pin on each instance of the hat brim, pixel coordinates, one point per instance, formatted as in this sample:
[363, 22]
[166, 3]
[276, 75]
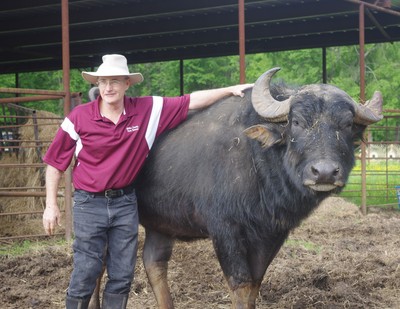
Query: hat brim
[92, 77]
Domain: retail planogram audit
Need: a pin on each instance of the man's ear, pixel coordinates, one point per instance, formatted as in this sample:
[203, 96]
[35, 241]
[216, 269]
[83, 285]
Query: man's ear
[264, 135]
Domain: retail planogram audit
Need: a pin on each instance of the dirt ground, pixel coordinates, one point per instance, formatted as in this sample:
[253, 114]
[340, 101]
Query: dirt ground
[337, 258]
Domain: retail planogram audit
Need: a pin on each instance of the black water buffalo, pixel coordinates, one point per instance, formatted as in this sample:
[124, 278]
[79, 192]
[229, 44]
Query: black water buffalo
[244, 172]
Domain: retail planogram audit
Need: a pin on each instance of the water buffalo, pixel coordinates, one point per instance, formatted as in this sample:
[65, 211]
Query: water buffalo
[245, 172]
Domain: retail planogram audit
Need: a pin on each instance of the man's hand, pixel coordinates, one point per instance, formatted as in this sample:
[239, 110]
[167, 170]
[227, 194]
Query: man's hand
[51, 215]
[51, 218]
[237, 90]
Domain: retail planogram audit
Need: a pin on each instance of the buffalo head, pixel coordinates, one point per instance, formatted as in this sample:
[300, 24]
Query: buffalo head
[318, 125]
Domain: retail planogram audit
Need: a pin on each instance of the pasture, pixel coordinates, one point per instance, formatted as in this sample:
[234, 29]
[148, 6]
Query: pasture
[337, 258]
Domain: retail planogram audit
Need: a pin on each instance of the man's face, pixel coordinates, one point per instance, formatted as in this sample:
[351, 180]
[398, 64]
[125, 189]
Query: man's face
[113, 88]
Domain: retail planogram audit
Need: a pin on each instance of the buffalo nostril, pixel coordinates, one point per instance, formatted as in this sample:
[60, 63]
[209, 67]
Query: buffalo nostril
[336, 172]
[325, 172]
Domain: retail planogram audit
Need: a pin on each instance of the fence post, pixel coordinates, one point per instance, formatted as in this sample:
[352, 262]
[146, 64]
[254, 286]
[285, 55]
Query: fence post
[36, 134]
[362, 97]
[363, 179]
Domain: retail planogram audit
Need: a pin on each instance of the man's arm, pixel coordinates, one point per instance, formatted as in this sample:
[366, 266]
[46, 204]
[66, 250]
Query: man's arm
[204, 98]
[51, 215]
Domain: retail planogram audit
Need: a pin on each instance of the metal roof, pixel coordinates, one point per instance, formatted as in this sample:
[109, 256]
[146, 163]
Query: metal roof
[160, 30]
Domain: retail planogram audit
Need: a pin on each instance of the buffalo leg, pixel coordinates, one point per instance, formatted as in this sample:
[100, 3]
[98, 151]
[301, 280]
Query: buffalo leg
[259, 257]
[157, 251]
[243, 296]
[95, 299]
[232, 254]
[244, 264]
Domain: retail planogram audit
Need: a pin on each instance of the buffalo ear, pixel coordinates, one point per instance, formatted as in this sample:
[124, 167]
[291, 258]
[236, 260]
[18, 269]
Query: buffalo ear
[262, 134]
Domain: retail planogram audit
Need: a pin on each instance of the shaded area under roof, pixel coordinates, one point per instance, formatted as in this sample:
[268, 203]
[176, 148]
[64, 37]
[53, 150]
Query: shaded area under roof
[159, 30]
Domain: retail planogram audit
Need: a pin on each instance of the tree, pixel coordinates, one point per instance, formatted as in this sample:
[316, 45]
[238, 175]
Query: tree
[299, 67]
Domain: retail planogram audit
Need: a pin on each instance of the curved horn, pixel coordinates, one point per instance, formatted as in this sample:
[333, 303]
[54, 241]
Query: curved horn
[369, 112]
[263, 102]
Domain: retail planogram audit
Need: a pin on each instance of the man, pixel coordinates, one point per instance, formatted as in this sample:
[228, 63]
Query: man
[110, 138]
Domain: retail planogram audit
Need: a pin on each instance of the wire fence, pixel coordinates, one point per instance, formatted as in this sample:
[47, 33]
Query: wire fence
[381, 167]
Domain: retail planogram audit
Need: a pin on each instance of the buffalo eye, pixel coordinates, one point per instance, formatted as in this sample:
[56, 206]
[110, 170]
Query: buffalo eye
[295, 123]
[347, 125]
[345, 120]
[298, 125]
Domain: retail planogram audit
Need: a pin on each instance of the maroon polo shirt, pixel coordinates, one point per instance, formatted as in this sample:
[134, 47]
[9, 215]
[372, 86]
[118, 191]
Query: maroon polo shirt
[109, 156]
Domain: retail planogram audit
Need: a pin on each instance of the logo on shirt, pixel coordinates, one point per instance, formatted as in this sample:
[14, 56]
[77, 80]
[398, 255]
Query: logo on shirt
[132, 129]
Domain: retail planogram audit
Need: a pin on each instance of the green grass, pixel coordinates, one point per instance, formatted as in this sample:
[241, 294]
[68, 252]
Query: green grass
[381, 179]
[307, 245]
[26, 246]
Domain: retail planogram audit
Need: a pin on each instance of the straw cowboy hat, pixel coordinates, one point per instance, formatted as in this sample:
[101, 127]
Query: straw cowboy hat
[113, 65]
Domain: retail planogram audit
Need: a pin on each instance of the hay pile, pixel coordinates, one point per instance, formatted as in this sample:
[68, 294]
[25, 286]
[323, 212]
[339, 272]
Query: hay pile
[26, 178]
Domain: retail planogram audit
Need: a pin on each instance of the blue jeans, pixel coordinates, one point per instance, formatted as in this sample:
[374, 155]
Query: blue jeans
[102, 223]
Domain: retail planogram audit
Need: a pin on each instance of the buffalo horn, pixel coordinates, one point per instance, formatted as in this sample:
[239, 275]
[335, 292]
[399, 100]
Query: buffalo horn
[263, 102]
[369, 112]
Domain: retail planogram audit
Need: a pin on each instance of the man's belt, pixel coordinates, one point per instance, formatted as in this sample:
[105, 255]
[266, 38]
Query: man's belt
[112, 193]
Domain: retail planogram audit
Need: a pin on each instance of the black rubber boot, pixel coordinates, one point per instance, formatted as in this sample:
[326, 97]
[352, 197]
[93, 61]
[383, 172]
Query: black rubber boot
[114, 301]
[76, 303]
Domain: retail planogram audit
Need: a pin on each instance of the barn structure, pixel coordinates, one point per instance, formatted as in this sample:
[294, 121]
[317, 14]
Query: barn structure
[44, 35]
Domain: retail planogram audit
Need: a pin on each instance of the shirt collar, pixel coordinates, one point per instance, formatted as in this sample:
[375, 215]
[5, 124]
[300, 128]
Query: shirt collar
[96, 108]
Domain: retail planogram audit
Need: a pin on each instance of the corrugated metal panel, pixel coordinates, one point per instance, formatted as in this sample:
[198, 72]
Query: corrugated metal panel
[158, 30]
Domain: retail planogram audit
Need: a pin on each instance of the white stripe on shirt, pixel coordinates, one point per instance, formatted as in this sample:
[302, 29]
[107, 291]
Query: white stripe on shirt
[69, 128]
[152, 127]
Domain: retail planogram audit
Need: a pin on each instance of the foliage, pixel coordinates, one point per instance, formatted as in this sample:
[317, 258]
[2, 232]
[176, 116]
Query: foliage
[7, 81]
[297, 67]
[161, 78]
[50, 80]
[210, 73]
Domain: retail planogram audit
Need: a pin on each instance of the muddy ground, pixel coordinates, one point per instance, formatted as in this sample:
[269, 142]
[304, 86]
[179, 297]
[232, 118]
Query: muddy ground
[337, 258]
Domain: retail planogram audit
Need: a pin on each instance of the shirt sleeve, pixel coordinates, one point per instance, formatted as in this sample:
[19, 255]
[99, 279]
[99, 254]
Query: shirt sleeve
[62, 148]
[174, 112]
